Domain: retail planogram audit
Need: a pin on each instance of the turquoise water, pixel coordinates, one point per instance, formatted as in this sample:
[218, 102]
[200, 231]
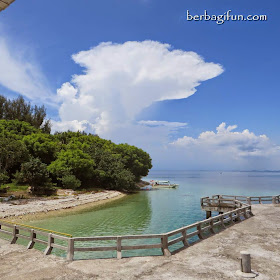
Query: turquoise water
[162, 210]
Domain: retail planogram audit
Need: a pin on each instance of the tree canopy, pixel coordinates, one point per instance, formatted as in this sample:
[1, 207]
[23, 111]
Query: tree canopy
[67, 159]
[29, 153]
[19, 109]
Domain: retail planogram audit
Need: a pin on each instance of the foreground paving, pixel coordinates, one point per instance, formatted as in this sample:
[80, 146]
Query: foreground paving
[213, 258]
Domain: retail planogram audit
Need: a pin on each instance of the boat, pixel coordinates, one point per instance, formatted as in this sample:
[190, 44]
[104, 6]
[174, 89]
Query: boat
[146, 188]
[163, 184]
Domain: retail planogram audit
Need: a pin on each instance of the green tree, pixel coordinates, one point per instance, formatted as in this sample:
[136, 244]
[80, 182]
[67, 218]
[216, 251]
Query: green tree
[43, 146]
[73, 161]
[12, 154]
[36, 174]
[111, 172]
[135, 159]
[19, 109]
[16, 129]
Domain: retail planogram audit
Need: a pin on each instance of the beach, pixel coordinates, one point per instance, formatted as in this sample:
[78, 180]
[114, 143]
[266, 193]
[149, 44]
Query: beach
[45, 207]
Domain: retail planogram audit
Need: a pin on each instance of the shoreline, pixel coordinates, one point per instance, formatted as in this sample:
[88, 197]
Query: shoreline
[44, 208]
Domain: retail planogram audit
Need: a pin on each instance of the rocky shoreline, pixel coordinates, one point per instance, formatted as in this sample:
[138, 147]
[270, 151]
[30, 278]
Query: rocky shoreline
[17, 209]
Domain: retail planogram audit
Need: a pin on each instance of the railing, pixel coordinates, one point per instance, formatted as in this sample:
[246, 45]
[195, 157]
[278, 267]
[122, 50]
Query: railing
[220, 202]
[34, 235]
[163, 241]
[228, 200]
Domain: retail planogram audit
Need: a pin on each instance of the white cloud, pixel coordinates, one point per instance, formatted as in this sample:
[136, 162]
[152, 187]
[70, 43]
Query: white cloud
[227, 148]
[71, 125]
[20, 74]
[120, 80]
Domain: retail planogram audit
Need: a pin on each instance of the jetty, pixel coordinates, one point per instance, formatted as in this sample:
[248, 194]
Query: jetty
[232, 210]
[216, 257]
[227, 203]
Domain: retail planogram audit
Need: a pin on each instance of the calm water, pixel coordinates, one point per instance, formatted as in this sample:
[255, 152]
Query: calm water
[163, 210]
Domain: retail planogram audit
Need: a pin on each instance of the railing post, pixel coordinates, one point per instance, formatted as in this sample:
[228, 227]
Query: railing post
[231, 218]
[50, 241]
[199, 231]
[119, 247]
[238, 219]
[250, 211]
[260, 200]
[222, 221]
[212, 226]
[15, 232]
[164, 242]
[274, 200]
[244, 213]
[249, 200]
[70, 249]
[185, 240]
[32, 242]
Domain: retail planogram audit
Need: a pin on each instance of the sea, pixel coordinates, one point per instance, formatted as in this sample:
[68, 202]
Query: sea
[158, 211]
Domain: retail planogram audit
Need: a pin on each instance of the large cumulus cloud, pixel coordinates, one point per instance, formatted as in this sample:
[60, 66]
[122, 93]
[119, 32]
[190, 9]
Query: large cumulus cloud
[120, 80]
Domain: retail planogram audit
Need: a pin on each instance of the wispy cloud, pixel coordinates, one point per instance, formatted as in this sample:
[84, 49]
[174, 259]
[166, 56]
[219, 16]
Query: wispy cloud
[163, 123]
[21, 74]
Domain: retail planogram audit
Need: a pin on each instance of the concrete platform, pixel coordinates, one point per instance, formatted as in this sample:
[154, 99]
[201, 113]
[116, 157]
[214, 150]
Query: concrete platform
[213, 258]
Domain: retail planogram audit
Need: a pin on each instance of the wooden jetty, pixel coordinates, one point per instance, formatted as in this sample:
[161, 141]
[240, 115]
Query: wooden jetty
[232, 209]
[227, 203]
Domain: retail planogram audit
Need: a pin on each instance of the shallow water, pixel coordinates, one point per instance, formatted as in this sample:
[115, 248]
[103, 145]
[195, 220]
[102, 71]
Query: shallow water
[162, 210]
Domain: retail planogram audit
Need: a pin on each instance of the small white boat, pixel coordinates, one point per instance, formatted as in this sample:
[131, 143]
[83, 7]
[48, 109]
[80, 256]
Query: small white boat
[163, 184]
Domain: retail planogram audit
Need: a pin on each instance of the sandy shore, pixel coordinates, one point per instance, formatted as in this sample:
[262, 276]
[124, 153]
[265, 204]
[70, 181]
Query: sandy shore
[214, 258]
[34, 209]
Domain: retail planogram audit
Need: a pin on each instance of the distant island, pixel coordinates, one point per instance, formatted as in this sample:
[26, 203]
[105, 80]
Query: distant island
[32, 158]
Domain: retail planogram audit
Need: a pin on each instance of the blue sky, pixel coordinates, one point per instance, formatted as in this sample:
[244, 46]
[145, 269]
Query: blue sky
[47, 33]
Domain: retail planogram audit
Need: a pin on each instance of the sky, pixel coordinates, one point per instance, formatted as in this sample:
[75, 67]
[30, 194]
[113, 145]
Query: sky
[196, 95]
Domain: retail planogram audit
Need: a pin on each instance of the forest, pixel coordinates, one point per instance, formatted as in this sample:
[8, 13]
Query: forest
[30, 154]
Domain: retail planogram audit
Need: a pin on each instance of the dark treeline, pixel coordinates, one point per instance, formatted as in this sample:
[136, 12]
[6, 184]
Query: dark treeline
[19, 109]
[29, 154]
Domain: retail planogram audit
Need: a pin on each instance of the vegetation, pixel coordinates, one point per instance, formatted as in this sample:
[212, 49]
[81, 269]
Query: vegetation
[29, 154]
[19, 109]
[36, 174]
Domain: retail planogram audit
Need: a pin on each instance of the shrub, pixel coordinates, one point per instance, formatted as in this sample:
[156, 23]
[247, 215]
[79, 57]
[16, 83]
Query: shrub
[70, 182]
[3, 179]
[18, 178]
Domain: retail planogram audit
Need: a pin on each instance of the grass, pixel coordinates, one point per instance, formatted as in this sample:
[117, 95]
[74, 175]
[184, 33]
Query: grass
[15, 188]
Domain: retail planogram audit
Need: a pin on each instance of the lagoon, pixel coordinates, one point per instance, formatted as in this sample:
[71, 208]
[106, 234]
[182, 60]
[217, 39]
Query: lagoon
[161, 210]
